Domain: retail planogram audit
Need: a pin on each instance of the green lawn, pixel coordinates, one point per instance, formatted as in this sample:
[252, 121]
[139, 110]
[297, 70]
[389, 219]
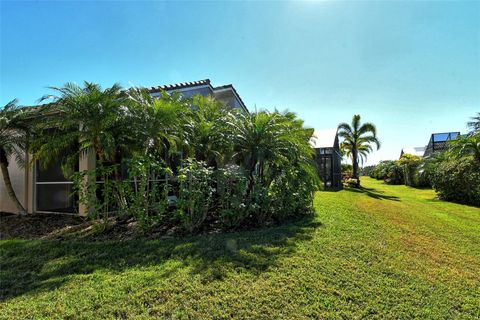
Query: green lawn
[380, 252]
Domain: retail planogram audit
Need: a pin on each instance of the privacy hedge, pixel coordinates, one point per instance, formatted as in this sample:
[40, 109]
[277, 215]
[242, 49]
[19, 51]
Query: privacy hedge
[458, 180]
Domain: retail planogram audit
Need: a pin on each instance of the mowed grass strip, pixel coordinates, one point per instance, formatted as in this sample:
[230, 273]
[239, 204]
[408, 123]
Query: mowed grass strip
[378, 252]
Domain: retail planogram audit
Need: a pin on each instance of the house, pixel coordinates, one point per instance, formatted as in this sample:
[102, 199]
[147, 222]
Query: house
[439, 142]
[328, 157]
[226, 93]
[417, 151]
[48, 191]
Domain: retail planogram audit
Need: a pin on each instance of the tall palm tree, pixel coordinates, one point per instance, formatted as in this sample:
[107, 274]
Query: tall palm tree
[13, 141]
[357, 140]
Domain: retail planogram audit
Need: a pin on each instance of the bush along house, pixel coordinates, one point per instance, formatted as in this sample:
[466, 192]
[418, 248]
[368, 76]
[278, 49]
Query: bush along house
[48, 191]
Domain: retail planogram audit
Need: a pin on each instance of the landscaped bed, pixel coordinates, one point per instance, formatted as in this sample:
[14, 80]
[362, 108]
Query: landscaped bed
[379, 251]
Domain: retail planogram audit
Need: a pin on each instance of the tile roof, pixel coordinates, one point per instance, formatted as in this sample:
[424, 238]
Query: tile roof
[180, 85]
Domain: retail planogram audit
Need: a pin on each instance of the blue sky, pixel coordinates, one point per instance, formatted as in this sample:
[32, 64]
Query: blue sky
[412, 68]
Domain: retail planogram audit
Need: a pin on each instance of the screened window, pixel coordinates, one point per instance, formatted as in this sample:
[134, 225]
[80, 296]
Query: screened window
[54, 192]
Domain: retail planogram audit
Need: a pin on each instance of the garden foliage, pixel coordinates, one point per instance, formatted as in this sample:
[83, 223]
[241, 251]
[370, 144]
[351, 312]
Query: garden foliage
[453, 173]
[189, 163]
[458, 181]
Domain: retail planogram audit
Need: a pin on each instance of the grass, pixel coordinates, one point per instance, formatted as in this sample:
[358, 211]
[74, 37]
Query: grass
[377, 252]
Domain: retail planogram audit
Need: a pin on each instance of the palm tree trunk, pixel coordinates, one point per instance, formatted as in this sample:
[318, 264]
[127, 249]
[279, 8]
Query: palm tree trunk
[8, 183]
[355, 164]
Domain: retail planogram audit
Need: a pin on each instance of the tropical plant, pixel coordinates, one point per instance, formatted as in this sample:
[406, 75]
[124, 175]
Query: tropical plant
[13, 140]
[239, 168]
[426, 170]
[231, 189]
[272, 146]
[474, 124]
[209, 131]
[266, 141]
[466, 146]
[458, 180]
[353, 183]
[161, 122]
[367, 170]
[357, 141]
[147, 189]
[195, 194]
[389, 171]
[85, 119]
[409, 164]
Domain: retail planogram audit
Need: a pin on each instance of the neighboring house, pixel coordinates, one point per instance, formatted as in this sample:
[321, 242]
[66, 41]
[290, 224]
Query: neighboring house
[328, 157]
[439, 142]
[226, 94]
[417, 151]
[45, 191]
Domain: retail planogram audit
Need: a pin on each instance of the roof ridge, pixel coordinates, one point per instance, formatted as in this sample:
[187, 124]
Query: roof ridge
[180, 85]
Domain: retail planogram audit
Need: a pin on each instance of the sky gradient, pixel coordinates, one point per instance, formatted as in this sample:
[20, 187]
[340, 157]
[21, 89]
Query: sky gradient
[412, 68]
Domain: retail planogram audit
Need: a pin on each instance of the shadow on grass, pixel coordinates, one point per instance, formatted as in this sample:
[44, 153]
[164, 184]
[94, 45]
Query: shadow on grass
[373, 193]
[28, 266]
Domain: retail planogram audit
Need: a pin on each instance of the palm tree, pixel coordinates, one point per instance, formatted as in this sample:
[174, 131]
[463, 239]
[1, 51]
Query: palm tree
[209, 133]
[88, 119]
[474, 125]
[13, 140]
[357, 141]
[82, 119]
[266, 143]
[466, 146]
[161, 122]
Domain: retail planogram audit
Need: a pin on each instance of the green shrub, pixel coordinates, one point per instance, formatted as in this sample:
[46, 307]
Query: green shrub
[194, 194]
[409, 163]
[427, 168]
[388, 171]
[458, 181]
[291, 194]
[98, 198]
[231, 192]
[146, 190]
[367, 170]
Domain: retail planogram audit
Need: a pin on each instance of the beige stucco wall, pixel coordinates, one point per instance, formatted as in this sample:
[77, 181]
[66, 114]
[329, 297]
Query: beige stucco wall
[23, 184]
[19, 180]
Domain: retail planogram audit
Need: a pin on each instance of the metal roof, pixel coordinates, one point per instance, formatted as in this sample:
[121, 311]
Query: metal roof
[323, 138]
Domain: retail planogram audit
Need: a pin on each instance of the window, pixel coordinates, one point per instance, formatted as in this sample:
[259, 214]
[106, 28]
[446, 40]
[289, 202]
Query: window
[53, 192]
